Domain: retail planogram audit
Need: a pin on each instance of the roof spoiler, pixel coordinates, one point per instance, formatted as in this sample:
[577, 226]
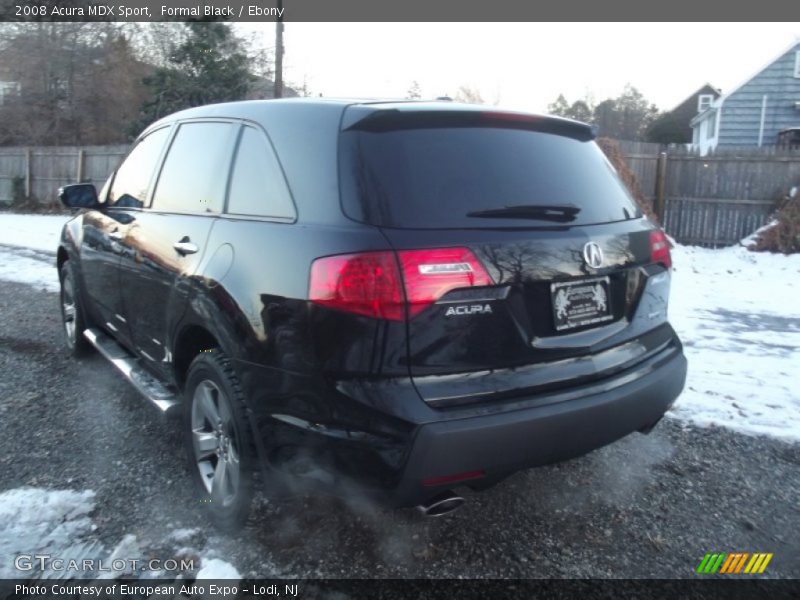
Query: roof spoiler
[367, 119]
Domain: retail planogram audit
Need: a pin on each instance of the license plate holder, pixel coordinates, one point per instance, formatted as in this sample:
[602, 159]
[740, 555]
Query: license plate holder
[581, 302]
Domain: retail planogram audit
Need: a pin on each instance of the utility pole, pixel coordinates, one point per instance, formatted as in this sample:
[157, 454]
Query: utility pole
[278, 91]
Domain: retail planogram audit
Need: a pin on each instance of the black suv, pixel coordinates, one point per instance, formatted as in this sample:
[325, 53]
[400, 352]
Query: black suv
[392, 299]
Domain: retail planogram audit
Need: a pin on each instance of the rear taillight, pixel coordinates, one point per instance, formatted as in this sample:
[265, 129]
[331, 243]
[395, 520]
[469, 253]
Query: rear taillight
[367, 283]
[373, 283]
[430, 274]
[659, 249]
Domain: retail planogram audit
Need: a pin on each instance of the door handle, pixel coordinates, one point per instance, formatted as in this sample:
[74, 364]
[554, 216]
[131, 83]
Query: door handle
[116, 235]
[185, 246]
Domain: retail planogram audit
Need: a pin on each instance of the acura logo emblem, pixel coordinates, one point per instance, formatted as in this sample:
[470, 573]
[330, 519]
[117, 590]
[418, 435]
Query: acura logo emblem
[593, 255]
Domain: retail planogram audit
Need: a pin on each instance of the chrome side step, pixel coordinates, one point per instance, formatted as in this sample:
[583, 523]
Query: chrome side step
[129, 366]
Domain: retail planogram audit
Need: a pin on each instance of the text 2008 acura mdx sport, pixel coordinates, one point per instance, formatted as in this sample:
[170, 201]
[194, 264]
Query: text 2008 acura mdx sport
[385, 298]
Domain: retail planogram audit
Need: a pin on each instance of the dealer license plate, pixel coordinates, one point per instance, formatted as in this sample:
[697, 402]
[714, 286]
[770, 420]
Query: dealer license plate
[581, 303]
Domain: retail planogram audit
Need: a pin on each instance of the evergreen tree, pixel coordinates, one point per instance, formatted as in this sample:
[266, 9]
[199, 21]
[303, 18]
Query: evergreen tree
[209, 66]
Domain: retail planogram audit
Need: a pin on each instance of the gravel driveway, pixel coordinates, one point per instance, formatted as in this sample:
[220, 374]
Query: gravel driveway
[648, 506]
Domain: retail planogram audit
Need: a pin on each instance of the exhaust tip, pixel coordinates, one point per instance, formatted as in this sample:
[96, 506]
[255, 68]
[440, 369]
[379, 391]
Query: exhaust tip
[441, 505]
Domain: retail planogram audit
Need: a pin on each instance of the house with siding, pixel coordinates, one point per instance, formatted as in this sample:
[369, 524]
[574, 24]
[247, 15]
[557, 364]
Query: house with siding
[757, 111]
[673, 127]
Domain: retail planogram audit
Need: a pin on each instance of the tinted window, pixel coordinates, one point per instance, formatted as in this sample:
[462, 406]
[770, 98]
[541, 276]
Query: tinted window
[196, 168]
[436, 177]
[258, 186]
[132, 181]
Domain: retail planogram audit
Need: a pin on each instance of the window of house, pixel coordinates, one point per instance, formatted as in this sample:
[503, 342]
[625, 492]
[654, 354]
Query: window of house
[257, 185]
[132, 180]
[711, 126]
[195, 170]
[797, 64]
[704, 101]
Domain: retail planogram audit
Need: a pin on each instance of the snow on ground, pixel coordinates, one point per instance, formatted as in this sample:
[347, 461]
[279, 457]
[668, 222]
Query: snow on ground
[736, 311]
[28, 246]
[215, 568]
[33, 521]
[28, 266]
[58, 523]
[184, 535]
[738, 316]
[40, 232]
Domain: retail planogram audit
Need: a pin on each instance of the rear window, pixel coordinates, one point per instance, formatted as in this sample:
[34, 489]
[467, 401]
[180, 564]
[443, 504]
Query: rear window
[469, 177]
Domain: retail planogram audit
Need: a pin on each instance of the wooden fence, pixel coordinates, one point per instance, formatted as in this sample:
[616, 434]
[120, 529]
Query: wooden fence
[40, 171]
[709, 200]
[713, 200]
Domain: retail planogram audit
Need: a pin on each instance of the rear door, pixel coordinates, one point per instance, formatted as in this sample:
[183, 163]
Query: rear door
[535, 206]
[166, 242]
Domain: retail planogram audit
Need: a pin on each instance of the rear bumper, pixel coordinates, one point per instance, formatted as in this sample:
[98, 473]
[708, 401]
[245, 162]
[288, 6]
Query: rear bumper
[500, 444]
[383, 441]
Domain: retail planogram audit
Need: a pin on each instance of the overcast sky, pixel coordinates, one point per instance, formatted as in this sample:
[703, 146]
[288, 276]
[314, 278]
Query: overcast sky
[526, 65]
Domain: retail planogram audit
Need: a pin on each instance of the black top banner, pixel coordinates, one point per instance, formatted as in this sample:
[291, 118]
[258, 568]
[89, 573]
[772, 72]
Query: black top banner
[396, 10]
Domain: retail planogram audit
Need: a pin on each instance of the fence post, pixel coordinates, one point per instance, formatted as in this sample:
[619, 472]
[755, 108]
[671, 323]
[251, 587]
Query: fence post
[661, 178]
[27, 173]
[79, 174]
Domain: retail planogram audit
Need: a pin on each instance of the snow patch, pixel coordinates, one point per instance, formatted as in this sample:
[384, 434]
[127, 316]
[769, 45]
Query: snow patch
[34, 520]
[215, 568]
[751, 239]
[28, 266]
[736, 312]
[28, 245]
[40, 232]
[184, 535]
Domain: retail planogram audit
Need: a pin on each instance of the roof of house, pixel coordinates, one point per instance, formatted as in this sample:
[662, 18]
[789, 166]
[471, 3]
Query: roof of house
[717, 103]
[695, 93]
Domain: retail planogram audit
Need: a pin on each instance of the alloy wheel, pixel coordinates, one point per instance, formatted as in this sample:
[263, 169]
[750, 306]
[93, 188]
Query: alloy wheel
[215, 443]
[68, 309]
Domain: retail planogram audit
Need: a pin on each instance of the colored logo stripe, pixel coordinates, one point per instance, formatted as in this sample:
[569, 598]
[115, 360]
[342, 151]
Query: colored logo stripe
[758, 563]
[734, 562]
[711, 563]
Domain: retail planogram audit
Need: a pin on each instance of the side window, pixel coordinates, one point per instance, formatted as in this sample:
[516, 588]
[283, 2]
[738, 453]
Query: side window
[258, 186]
[131, 183]
[195, 171]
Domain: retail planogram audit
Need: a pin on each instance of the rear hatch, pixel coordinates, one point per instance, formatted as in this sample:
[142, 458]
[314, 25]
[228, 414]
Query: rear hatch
[523, 256]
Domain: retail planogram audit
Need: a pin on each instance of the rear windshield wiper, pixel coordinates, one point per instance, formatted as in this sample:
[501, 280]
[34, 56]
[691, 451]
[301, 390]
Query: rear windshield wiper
[561, 213]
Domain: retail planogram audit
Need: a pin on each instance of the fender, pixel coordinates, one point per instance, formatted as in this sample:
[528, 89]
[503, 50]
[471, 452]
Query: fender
[214, 310]
[69, 244]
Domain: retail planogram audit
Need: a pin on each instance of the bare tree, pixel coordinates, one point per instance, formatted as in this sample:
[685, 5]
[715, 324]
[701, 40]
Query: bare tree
[469, 94]
[75, 82]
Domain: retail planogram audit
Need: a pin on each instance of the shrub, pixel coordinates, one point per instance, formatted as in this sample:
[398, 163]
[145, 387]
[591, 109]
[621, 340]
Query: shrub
[615, 156]
[783, 235]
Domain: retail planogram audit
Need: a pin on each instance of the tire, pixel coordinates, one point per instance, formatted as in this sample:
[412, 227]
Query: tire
[218, 440]
[72, 313]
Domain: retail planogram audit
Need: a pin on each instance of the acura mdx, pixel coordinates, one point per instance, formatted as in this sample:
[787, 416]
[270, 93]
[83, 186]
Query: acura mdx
[392, 299]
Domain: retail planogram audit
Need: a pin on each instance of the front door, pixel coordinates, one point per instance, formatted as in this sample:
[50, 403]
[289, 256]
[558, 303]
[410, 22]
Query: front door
[104, 232]
[100, 256]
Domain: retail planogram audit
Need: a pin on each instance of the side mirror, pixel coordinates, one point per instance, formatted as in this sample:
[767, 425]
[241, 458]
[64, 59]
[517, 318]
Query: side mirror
[79, 195]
